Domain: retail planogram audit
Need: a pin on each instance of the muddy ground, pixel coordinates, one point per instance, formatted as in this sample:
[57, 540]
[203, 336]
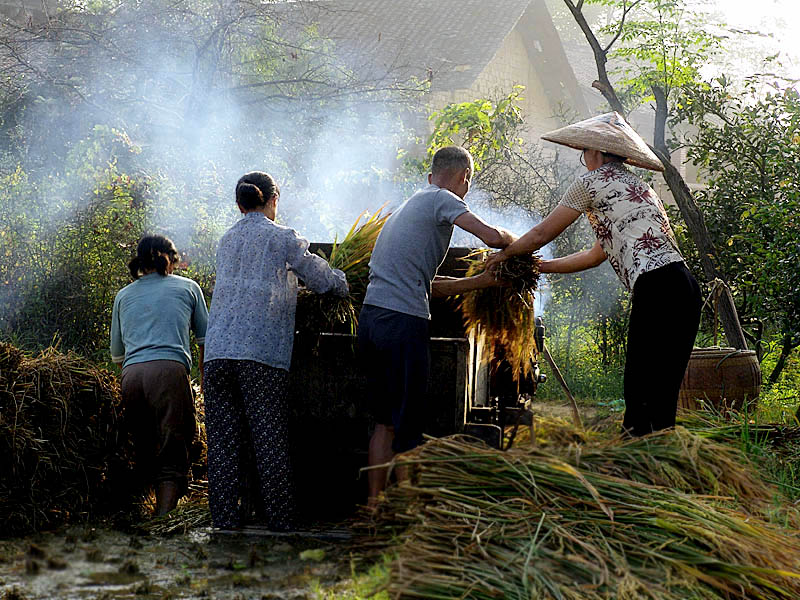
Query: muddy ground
[82, 563]
[95, 563]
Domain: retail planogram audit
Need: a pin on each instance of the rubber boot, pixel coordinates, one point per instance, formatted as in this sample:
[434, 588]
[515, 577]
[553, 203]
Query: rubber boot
[167, 496]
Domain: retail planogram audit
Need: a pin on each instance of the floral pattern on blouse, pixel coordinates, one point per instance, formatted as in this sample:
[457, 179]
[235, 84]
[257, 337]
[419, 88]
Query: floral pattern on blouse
[255, 295]
[628, 219]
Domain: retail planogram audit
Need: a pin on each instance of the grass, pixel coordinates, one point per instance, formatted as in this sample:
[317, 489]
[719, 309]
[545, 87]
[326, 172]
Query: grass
[360, 585]
[325, 312]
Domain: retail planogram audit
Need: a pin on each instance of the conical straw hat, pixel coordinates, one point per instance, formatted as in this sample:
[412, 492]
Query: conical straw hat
[608, 133]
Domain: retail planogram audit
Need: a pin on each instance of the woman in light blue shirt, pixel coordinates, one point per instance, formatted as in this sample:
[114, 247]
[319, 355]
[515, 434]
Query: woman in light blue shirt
[249, 349]
[150, 326]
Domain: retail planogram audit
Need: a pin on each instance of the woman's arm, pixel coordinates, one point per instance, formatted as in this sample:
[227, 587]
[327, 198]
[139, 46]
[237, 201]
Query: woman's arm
[539, 235]
[117, 347]
[572, 263]
[314, 270]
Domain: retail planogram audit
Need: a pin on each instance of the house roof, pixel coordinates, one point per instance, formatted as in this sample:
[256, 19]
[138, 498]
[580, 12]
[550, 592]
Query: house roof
[448, 42]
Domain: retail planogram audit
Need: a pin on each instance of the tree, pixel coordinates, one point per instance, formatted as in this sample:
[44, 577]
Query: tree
[661, 77]
[748, 143]
[146, 114]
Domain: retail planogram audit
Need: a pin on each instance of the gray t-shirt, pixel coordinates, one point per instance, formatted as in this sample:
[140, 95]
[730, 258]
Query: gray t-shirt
[409, 250]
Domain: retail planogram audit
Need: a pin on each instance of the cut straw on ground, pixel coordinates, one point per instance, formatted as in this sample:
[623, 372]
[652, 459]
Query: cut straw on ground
[585, 522]
[65, 453]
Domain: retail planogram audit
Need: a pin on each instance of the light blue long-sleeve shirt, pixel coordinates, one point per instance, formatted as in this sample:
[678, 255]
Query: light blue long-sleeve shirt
[152, 318]
[255, 295]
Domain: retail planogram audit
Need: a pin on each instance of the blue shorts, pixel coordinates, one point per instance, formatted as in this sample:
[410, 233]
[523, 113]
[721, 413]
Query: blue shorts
[394, 349]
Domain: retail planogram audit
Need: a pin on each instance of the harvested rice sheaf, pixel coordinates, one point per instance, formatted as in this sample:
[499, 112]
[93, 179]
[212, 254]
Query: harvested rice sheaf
[63, 454]
[192, 512]
[325, 312]
[502, 318]
[476, 522]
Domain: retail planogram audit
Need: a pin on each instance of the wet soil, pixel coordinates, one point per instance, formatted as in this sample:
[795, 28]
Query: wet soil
[84, 563]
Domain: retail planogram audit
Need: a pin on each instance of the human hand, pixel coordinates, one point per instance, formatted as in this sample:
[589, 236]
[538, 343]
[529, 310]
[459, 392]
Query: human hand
[508, 237]
[493, 260]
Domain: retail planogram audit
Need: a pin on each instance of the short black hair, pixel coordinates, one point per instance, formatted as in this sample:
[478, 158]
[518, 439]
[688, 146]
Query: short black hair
[451, 158]
[614, 157]
[153, 252]
[263, 181]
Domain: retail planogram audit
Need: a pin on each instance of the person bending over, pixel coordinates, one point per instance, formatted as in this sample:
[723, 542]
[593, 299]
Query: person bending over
[634, 234]
[150, 325]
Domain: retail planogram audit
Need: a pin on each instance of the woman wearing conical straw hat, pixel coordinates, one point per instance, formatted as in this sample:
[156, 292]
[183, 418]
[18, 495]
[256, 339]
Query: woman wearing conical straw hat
[634, 234]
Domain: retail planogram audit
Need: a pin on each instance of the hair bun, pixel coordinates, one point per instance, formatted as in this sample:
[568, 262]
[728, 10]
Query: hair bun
[249, 196]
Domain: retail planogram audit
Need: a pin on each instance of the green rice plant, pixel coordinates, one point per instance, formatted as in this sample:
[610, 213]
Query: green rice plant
[502, 318]
[325, 312]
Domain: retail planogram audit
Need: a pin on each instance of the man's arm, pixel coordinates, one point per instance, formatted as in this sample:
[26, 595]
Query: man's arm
[579, 261]
[538, 236]
[494, 237]
[452, 286]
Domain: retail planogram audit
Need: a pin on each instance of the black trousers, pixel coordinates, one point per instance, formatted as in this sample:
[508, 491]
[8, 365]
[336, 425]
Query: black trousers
[665, 316]
[242, 396]
[394, 348]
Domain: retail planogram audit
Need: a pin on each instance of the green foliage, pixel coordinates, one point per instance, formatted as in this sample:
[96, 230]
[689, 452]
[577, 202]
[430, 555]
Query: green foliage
[662, 44]
[64, 237]
[587, 325]
[361, 585]
[779, 402]
[748, 146]
[490, 130]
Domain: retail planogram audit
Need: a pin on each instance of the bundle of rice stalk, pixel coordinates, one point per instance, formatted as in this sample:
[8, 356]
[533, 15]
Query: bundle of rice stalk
[675, 458]
[680, 460]
[325, 312]
[481, 523]
[502, 318]
[192, 512]
[64, 456]
[736, 427]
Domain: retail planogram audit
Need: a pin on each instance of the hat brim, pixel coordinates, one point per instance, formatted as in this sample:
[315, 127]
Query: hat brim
[608, 133]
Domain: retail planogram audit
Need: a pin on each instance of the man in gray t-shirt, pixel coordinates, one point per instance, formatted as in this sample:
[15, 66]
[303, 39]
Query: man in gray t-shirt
[393, 326]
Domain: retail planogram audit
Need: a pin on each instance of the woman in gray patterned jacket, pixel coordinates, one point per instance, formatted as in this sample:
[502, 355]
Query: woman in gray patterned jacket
[249, 349]
[634, 234]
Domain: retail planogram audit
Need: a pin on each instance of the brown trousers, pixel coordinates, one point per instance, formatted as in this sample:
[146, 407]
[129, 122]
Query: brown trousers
[159, 408]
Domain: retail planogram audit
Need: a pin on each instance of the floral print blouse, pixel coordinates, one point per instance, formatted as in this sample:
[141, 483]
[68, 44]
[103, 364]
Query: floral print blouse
[255, 295]
[628, 219]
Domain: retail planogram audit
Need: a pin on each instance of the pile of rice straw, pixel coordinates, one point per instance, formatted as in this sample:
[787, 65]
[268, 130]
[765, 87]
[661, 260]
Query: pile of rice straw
[64, 458]
[325, 312]
[586, 522]
[502, 318]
